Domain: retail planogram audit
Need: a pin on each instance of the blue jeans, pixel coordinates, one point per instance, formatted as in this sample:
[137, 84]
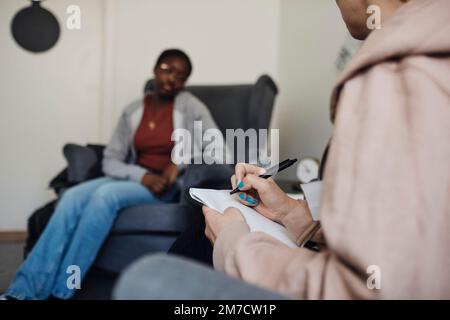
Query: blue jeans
[75, 233]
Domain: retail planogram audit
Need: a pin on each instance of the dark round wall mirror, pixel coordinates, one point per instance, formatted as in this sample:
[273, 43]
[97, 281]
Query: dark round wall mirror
[34, 28]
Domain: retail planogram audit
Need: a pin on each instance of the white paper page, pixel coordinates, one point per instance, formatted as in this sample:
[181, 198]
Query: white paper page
[312, 192]
[221, 199]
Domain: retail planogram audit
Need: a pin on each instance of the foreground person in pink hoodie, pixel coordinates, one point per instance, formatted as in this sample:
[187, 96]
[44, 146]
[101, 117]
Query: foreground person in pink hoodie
[385, 210]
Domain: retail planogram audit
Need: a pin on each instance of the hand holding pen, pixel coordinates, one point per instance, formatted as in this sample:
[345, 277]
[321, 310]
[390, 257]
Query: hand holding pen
[258, 190]
[267, 173]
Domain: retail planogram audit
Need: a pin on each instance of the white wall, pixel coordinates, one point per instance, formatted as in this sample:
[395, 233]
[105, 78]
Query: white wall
[46, 100]
[311, 35]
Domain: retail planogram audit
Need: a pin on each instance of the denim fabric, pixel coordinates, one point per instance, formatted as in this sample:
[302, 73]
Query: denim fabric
[75, 233]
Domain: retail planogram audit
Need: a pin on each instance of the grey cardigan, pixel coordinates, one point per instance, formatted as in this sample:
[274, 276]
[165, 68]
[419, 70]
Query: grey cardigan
[119, 158]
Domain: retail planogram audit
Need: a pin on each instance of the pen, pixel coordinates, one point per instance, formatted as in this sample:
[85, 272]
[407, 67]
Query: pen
[273, 170]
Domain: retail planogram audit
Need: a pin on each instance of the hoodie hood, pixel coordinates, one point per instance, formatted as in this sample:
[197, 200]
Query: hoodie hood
[419, 27]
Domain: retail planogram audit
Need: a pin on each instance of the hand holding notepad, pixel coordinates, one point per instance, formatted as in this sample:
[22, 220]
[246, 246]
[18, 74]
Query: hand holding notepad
[221, 199]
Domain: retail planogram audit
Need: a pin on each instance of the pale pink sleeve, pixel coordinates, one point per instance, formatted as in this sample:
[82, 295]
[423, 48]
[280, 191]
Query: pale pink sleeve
[300, 224]
[262, 260]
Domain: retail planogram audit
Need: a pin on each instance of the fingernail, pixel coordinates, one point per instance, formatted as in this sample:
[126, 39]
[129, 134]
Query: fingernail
[242, 196]
[241, 184]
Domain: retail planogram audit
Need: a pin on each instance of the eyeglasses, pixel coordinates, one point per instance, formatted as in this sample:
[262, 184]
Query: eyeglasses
[168, 69]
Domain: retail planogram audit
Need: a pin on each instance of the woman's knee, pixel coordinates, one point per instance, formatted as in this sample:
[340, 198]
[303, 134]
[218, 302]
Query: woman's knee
[82, 192]
[123, 193]
[74, 196]
[113, 195]
[70, 205]
[105, 192]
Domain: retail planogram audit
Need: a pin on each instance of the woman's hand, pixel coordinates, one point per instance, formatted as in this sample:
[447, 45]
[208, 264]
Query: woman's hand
[263, 194]
[155, 183]
[171, 173]
[216, 221]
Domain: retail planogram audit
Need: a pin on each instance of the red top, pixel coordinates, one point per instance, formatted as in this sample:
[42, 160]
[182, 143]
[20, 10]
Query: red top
[152, 139]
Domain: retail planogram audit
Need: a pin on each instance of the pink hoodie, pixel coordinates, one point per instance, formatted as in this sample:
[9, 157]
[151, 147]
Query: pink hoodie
[386, 199]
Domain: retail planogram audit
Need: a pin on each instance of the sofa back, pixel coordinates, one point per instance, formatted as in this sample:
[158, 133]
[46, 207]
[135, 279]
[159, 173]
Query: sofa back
[236, 106]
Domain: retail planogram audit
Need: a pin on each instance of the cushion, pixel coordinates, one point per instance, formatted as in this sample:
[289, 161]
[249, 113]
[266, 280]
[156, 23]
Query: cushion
[82, 163]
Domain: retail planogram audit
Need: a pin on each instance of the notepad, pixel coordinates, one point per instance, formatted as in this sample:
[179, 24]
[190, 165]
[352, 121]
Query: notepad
[221, 199]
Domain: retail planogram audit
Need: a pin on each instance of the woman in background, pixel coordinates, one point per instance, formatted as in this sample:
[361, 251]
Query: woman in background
[139, 170]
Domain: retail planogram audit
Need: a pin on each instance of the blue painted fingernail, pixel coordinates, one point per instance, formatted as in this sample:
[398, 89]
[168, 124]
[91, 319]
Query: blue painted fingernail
[241, 184]
[242, 196]
[250, 200]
